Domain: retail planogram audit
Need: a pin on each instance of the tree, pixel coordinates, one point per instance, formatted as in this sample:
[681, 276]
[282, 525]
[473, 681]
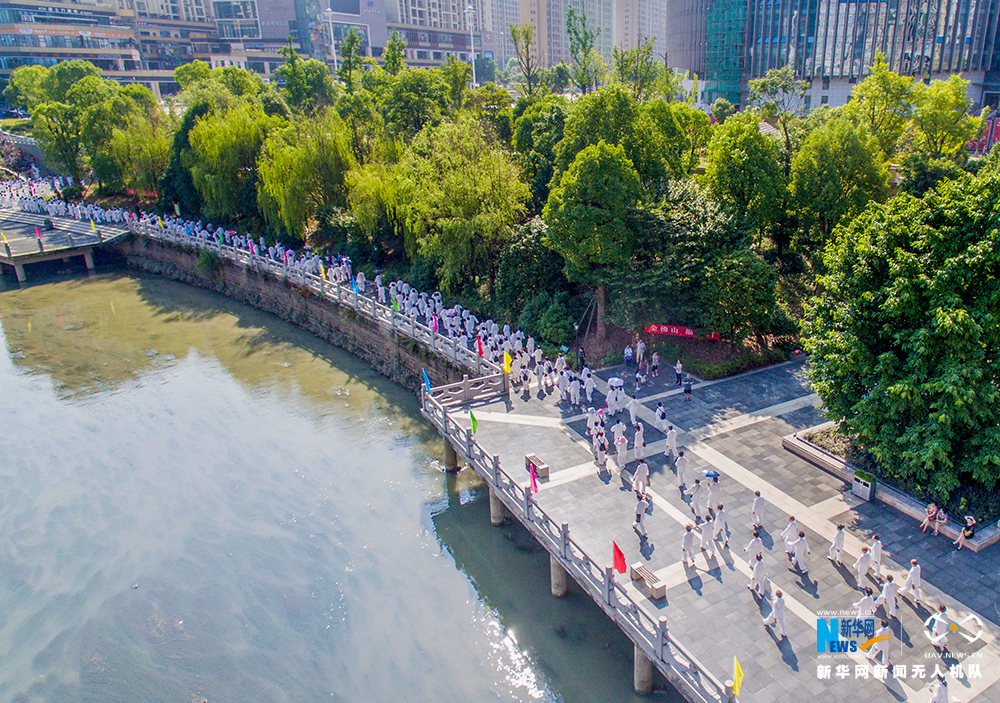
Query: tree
[59, 132]
[415, 99]
[782, 98]
[835, 174]
[141, 151]
[528, 267]
[744, 172]
[587, 63]
[696, 126]
[523, 38]
[350, 59]
[302, 169]
[364, 122]
[188, 73]
[225, 148]
[921, 173]
[536, 133]
[467, 195]
[457, 74]
[740, 296]
[589, 214]
[942, 121]
[560, 77]
[308, 84]
[905, 337]
[61, 77]
[26, 87]
[378, 195]
[239, 81]
[635, 69]
[883, 102]
[394, 58]
[722, 110]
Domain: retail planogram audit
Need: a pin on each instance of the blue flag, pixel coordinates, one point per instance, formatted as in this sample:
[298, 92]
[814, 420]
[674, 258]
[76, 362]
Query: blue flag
[354, 284]
[427, 381]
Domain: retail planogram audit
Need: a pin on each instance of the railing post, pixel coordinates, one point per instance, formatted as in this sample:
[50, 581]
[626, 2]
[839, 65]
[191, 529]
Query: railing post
[609, 583]
[496, 469]
[527, 503]
[662, 636]
[466, 390]
[564, 540]
[468, 445]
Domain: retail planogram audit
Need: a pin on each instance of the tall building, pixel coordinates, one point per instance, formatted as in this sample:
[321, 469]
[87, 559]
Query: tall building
[548, 18]
[637, 21]
[832, 43]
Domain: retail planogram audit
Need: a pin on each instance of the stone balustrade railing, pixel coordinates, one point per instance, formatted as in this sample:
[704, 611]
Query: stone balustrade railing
[652, 634]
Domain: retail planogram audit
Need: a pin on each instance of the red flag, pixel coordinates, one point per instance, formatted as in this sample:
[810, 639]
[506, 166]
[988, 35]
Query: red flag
[619, 559]
[534, 482]
[479, 341]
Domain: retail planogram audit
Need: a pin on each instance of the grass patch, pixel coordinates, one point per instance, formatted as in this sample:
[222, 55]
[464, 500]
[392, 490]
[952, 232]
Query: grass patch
[970, 498]
[17, 126]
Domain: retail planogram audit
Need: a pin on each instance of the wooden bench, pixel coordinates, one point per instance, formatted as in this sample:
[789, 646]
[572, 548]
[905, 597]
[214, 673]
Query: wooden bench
[639, 572]
[541, 468]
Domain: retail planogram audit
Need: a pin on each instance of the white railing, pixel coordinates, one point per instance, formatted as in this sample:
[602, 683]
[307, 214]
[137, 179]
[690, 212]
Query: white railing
[447, 348]
[650, 632]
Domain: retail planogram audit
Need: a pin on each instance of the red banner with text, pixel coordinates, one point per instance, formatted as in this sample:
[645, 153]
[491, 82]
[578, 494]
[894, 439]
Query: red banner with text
[677, 331]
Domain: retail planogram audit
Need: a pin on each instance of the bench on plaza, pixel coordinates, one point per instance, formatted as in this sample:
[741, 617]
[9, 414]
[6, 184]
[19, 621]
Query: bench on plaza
[639, 572]
[541, 468]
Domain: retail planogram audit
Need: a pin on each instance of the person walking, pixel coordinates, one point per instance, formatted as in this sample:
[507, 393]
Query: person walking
[939, 690]
[912, 582]
[618, 430]
[876, 551]
[654, 368]
[678, 371]
[681, 465]
[754, 549]
[640, 441]
[881, 648]
[887, 597]
[602, 449]
[633, 407]
[862, 564]
[670, 451]
[687, 544]
[640, 479]
[719, 527]
[714, 493]
[777, 616]
[799, 550]
[939, 627]
[621, 447]
[641, 505]
[757, 510]
[695, 492]
[688, 385]
[661, 420]
[866, 606]
[837, 546]
[640, 351]
[790, 534]
[757, 577]
[967, 533]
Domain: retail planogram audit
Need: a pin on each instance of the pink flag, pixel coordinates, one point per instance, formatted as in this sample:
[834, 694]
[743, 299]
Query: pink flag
[38, 232]
[435, 323]
[534, 481]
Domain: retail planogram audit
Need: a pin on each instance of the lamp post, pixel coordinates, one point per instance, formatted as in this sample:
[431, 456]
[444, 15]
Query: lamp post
[472, 41]
[328, 16]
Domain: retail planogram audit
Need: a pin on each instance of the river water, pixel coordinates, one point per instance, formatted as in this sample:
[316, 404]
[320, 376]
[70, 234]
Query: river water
[201, 502]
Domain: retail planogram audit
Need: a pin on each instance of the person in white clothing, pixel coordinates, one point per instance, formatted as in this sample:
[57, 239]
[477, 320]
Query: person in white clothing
[640, 513]
[719, 526]
[790, 534]
[695, 491]
[862, 565]
[754, 549]
[777, 616]
[640, 478]
[714, 493]
[618, 430]
[621, 446]
[799, 550]
[939, 690]
[671, 449]
[939, 627]
[687, 544]
[633, 407]
[661, 418]
[882, 647]
[837, 546]
[681, 465]
[640, 441]
[888, 596]
[876, 551]
[588, 386]
[757, 577]
[912, 582]
[866, 606]
[757, 511]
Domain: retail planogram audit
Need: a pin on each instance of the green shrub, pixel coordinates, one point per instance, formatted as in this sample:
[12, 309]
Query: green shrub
[207, 263]
[71, 193]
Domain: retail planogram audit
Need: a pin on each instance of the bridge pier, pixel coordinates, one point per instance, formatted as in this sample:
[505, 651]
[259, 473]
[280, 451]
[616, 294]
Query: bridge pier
[19, 271]
[642, 672]
[557, 577]
[497, 509]
[450, 457]
[88, 259]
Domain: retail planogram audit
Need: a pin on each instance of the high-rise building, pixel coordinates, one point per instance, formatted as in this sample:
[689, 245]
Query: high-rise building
[832, 43]
[637, 21]
[548, 18]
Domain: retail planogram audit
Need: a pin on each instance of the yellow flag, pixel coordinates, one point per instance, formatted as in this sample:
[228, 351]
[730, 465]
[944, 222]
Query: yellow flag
[159, 223]
[737, 676]
[92, 227]
[506, 362]
[322, 270]
[4, 237]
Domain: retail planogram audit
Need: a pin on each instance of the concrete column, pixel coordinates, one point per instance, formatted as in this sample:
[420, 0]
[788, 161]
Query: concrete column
[728, 697]
[496, 509]
[642, 673]
[19, 270]
[450, 457]
[88, 258]
[557, 577]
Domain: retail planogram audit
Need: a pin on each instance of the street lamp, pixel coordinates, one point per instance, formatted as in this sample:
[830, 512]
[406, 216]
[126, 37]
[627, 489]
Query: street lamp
[328, 16]
[472, 41]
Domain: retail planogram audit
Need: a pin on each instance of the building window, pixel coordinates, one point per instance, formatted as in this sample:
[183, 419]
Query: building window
[438, 56]
[825, 100]
[826, 83]
[421, 55]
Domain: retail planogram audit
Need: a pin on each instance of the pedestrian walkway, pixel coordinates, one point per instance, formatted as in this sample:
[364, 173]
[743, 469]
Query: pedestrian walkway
[734, 426]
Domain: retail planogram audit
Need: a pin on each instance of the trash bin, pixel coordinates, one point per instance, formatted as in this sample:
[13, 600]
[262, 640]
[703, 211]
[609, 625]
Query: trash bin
[863, 485]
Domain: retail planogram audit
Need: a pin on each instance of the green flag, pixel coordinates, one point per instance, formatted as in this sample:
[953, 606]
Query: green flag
[395, 305]
[475, 422]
